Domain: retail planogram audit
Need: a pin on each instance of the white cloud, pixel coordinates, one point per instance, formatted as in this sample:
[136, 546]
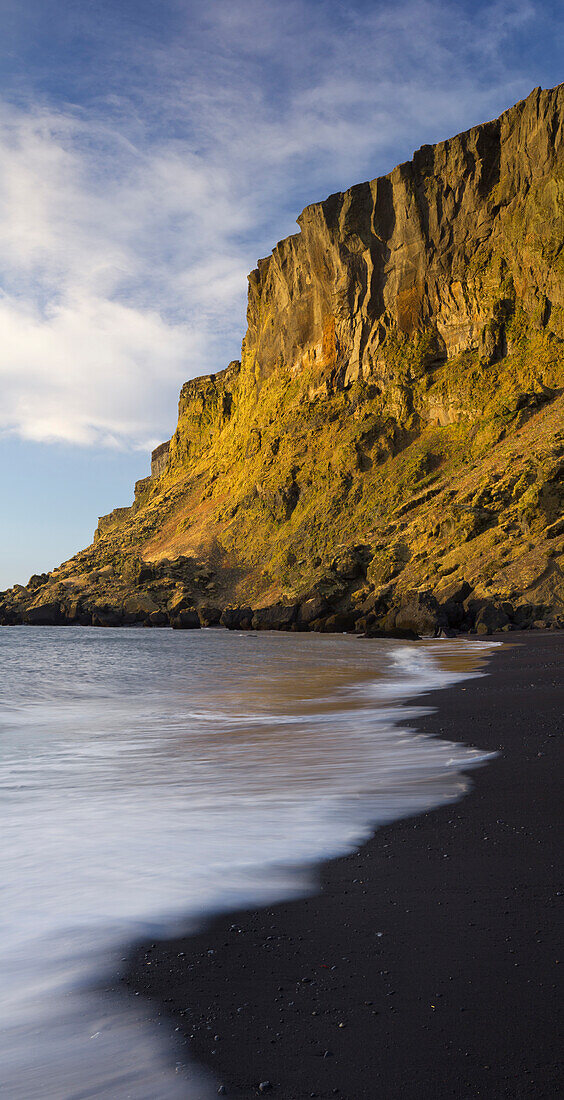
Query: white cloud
[89, 365]
[128, 223]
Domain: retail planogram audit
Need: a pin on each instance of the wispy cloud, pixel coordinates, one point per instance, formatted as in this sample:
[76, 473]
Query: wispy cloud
[129, 218]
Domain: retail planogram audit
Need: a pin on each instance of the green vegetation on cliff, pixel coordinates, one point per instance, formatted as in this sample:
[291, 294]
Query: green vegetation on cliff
[393, 436]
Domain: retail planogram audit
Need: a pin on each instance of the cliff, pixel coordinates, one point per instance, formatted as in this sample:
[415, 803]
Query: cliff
[389, 452]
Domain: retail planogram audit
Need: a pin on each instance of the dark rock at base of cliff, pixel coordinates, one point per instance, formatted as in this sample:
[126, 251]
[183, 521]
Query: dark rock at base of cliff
[374, 609]
[486, 615]
[186, 620]
[84, 618]
[157, 618]
[277, 617]
[209, 616]
[419, 612]
[77, 613]
[395, 632]
[181, 600]
[10, 616]
[311, 609]
[491, 617]
[109, 616]
[451, 597]
[46, 614]
[454, 614]
[237, 618]
[139, 607]
[341, 622]
[526, 614]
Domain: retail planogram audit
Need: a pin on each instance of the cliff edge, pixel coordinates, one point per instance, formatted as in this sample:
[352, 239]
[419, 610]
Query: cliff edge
[388, 454]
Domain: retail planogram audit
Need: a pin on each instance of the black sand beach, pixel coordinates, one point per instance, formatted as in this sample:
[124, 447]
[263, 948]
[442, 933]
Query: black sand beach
[427, 965]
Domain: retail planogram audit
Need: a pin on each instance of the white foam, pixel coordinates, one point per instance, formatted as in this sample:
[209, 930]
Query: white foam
[152, 775]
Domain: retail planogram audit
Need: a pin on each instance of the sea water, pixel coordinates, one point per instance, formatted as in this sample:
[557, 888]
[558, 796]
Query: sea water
[151, 777]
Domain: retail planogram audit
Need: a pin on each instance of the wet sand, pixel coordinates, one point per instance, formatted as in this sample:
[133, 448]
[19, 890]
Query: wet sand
[427, 964]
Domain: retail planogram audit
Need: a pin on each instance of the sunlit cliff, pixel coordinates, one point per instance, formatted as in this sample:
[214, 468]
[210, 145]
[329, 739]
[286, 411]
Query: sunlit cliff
[388, 454]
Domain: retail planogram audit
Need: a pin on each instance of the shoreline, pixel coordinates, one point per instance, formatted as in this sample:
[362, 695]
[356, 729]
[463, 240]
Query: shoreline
[434, 945]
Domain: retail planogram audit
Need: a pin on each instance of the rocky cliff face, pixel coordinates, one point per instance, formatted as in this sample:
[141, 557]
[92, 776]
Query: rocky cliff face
[389, 452]
[441, 243]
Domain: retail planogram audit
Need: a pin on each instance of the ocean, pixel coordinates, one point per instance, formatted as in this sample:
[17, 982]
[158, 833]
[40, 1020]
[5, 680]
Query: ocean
[150, 778]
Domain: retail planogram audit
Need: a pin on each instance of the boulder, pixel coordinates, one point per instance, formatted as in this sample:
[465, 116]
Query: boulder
[485, 616]
[157, 618]
[9, 616]
[419, 612]
[140, 606]
[45, 614]
[393, 632]
[341, 622]
[312, 608]
[77, 613]
[451, 598]
[377, 602]
[181, 600]
[490, 618]
[188, 619]
[146, 572]
[365, 623]
[237, 618]
[209, 616]
[526, 614]
[109, 616]
[278, 617]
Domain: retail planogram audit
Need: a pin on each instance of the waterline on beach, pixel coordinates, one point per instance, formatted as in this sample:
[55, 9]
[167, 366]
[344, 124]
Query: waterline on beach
[152, 777]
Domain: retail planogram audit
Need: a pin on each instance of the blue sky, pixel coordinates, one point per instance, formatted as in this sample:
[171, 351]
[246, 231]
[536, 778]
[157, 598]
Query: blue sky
[150, 152]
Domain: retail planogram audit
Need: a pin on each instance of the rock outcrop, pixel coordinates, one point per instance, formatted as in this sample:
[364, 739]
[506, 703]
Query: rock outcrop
[388, 455]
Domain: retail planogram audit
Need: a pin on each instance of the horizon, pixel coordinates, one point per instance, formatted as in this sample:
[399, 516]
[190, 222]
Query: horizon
[148, 169]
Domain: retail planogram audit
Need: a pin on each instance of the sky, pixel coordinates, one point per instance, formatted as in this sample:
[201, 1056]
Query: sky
[150, 152]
